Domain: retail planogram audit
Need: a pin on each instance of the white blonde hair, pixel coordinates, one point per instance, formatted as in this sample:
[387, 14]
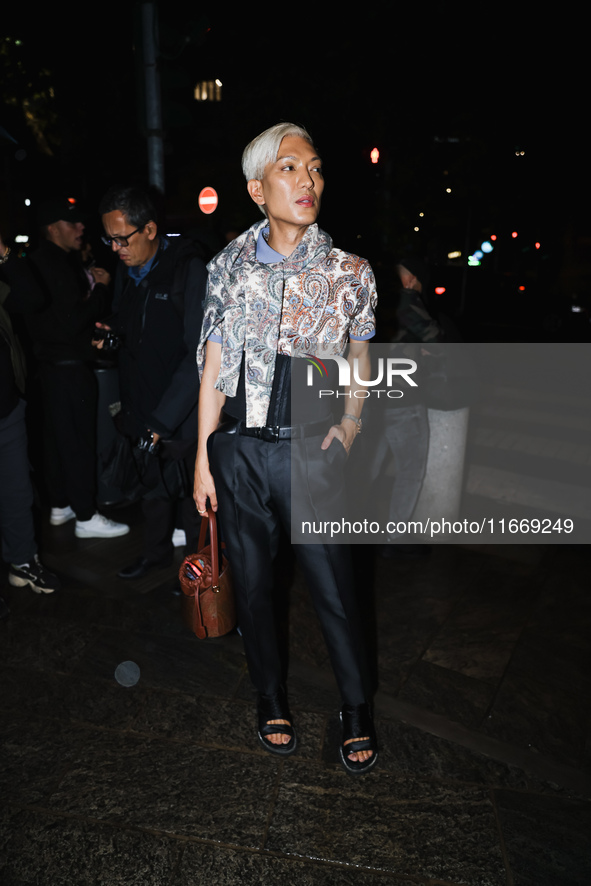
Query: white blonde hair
[264, 148]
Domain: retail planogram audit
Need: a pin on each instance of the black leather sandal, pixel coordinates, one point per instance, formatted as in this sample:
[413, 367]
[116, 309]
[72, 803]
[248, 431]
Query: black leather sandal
[274, 707]
[357, 721]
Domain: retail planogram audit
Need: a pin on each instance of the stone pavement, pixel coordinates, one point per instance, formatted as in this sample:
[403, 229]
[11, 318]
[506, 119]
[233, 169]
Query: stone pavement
[482, 708]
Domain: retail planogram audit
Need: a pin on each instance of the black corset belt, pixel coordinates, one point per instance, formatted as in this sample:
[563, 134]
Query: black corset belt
[272, 434]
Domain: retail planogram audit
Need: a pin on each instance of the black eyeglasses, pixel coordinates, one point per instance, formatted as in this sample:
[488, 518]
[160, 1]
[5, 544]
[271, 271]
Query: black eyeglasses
[121, 241]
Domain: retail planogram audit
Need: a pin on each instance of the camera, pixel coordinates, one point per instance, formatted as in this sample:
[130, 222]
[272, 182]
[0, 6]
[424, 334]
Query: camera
[111, 341]
[146, 444]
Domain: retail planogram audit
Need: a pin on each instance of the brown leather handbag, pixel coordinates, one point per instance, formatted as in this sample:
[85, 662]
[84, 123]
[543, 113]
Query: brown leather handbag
[208, 606]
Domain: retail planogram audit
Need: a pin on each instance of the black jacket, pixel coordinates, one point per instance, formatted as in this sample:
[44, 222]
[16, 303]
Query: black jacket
[159, 321]
[9, 393]
[20, 293]
[64, 329]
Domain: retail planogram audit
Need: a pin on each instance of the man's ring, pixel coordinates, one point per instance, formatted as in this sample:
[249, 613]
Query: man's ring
[201, 512]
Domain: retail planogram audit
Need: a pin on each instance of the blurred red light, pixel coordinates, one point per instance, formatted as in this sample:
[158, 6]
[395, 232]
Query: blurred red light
[522, 288]
[375, 155]
[514, 234]
[538, 245]
[439, 290]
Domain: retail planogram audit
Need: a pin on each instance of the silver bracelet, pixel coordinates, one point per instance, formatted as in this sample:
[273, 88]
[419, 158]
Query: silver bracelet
[354, 418]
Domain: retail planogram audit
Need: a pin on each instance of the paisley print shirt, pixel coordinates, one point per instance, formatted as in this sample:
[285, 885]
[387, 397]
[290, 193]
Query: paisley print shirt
[318, 297]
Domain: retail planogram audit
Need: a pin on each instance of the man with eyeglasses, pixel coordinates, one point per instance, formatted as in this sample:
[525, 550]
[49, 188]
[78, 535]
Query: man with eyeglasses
[159, 291]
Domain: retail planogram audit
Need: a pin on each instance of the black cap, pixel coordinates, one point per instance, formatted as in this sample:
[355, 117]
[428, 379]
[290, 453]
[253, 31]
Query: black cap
[58, 210]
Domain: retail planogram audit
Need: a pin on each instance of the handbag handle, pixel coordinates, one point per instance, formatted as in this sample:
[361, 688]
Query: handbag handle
[209, 521]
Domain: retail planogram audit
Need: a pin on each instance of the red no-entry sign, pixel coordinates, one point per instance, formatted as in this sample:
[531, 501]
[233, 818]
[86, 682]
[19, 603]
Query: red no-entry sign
[208, 200]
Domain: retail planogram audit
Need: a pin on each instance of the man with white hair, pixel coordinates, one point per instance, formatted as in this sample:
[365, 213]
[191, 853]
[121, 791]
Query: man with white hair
[280, 284]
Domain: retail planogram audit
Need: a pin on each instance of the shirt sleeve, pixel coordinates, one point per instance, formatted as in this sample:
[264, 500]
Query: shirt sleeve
[212, 310]
[363, 322]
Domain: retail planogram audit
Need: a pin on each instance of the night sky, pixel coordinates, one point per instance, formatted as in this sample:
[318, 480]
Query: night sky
[436, 93]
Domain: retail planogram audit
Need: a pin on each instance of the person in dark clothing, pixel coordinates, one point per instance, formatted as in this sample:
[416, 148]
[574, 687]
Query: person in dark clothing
[20, 293]
[159, 292]
[405, 431]
[61, 335]
[417, 317]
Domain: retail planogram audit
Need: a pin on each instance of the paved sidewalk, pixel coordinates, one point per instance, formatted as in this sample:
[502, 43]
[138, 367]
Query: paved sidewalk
[482, 710]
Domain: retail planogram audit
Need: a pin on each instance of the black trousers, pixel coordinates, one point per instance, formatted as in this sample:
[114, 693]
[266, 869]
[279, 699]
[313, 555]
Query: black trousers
[17, 530]
[69, 402]
[160, 515]
[161, 511]
[253, 482]
[403, 437]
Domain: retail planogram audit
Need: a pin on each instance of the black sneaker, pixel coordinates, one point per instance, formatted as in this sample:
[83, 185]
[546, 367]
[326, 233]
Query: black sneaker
[34, 574]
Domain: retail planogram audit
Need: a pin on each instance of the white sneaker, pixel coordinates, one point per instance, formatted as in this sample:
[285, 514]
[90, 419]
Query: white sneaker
[99, 527]
[179, 539]
[61, 515]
